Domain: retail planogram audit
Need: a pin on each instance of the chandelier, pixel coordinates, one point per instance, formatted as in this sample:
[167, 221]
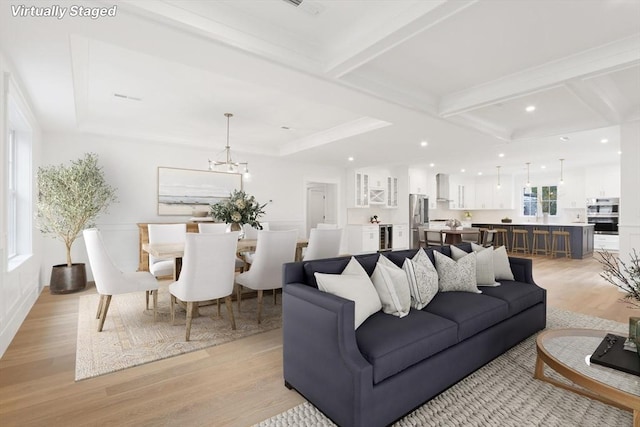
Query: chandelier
[228, 165]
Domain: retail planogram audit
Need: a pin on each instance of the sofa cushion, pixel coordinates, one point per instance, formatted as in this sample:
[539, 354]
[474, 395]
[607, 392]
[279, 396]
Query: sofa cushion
[501, 265]
[392, 344]
[423, 279]
[518, 295]
[456, 275]
[355, 284]
[392, 285]
[472, 312]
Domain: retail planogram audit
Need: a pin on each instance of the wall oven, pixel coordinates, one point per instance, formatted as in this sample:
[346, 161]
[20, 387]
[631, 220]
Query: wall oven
[604, 215]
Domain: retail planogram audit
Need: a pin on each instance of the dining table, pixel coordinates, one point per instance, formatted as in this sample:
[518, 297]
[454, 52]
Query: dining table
[453, 237]
[176, 251]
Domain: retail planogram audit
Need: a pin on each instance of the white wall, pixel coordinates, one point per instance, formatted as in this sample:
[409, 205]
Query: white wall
[19, 281]
[629, 197]
[131, 166]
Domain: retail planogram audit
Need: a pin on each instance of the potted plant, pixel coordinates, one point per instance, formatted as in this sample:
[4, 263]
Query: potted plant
[625, 276]
[238, 209]
[69, 200]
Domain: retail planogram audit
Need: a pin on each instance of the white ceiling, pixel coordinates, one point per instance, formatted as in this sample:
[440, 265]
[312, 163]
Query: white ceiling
[368, 79]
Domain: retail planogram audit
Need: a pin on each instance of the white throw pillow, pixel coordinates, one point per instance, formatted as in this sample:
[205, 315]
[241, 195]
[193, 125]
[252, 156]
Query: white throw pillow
[392, 286]
[353, 284]
[501, 265]
[423, 279]
[456, 275]
[485, 275]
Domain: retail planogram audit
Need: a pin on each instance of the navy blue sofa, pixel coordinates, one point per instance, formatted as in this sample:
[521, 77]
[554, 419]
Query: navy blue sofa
[389, 366]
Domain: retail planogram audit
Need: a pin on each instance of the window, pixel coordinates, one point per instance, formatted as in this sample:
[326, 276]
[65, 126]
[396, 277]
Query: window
[540, 200]
[12, 195]
[19, 179]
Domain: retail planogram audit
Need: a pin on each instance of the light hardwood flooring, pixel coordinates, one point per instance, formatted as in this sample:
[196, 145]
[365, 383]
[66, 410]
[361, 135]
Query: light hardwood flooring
[235, 384]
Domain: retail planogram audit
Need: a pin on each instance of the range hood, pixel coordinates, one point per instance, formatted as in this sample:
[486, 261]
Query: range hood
[442, 183]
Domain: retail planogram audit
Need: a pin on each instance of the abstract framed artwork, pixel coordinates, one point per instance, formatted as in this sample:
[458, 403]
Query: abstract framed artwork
[190, 191]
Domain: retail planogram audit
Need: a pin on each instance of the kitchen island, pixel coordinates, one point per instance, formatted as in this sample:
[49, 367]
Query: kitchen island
[580, 234]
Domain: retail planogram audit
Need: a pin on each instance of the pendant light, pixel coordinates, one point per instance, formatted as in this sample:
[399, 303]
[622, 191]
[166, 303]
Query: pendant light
[561, 171]
[498, 186]
[528, 180]
[228, 165]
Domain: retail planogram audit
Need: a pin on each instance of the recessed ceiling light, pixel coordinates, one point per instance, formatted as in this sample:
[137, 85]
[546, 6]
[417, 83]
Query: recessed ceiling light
[431, 165]
[350, 159]
[604, 140]
[530, 108]
[501, 155]
[479, 173]
[619, 152]
[463, 170]
[564, 138]
[543, 167]
[424, 143]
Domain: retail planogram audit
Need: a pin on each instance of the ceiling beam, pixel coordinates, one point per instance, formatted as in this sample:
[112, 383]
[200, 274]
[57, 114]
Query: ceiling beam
[415, 20]
[609, 57]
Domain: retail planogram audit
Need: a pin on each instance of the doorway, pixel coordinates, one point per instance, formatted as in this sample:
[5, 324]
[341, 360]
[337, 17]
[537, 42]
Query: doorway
[321, 204]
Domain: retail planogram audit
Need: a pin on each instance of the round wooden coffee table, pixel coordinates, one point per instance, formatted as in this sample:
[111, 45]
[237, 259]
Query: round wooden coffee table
[567, 351]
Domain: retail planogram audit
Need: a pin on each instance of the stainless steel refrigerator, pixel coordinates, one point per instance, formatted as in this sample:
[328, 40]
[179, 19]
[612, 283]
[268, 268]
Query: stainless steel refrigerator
[418, 216]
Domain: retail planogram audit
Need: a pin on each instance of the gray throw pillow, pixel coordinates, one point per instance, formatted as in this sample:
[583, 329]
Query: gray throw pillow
[423, 279]
[456, 275]
[484, 264]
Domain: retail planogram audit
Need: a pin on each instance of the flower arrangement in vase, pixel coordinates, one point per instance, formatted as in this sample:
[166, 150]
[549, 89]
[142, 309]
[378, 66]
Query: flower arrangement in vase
[453, 223]
[239, 209]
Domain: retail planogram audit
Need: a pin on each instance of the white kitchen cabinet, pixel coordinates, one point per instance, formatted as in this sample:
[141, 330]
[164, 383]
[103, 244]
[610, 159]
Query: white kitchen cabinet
[358, 189]
[392, 192]
[489, 196]
[363, 239]
[603, 183]
[461, 192]
[606, 242]
[400, 239]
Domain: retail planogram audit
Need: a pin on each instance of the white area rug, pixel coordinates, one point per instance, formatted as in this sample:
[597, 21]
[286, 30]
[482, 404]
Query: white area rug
[130, 337]
[502, 393]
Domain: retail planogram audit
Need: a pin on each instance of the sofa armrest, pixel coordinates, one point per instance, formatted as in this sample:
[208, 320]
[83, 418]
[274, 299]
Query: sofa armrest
[321, 358]
[522, 269]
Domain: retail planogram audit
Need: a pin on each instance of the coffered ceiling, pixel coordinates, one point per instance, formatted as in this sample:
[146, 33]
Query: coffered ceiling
[326, 80]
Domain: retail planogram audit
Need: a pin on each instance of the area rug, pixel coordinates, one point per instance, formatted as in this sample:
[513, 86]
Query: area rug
[130, 337]
[502, 393]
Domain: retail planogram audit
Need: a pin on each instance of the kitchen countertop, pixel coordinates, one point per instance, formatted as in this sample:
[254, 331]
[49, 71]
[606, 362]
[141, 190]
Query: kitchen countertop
[549, 224]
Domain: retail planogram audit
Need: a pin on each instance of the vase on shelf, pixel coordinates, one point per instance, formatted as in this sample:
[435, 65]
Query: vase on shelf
[235, 226]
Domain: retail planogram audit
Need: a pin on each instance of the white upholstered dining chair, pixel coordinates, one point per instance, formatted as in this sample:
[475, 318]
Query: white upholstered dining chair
[323, 243]
[110, 280]
[251, 233]
[205, 276]
[165, 233]
[273, 249]
[219, 228]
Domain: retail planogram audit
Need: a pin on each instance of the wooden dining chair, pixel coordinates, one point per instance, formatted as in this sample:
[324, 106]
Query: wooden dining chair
[433, 238]
[471, 237]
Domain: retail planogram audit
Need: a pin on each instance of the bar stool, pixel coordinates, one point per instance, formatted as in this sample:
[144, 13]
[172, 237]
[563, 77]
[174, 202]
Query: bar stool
[520, 244]
[536, 243]
[557, 237]
[500, 238]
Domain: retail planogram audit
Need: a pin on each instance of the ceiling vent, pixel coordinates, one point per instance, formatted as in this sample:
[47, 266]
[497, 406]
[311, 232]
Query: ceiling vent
[295, 3]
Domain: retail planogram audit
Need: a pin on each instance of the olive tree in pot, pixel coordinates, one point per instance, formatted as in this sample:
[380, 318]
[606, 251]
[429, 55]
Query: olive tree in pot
[69, 200]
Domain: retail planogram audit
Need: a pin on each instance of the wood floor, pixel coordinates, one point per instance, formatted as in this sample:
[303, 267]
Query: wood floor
[235, 384]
